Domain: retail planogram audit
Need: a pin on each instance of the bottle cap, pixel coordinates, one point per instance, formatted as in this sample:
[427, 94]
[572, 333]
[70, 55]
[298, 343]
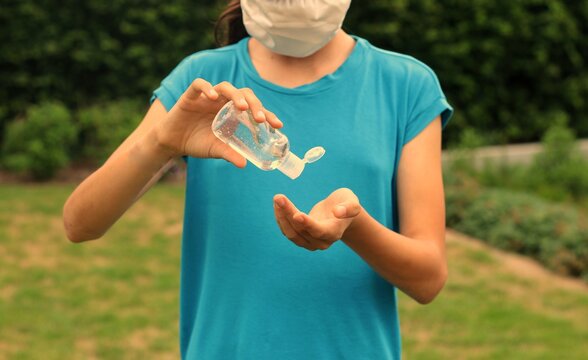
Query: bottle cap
[291, 166]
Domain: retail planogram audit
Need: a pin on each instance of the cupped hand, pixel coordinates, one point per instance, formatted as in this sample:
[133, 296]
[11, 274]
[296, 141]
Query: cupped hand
[187, 128]
[326, 222]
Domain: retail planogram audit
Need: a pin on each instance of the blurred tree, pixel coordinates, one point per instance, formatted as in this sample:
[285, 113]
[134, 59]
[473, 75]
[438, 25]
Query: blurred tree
[82, 52]
[507, 66]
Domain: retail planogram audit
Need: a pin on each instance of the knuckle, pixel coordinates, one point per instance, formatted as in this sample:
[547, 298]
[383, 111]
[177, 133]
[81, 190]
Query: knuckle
[317, 234]
[299, 244]
[324, 246]
[321, 234]
[290, 235]
[283, 232]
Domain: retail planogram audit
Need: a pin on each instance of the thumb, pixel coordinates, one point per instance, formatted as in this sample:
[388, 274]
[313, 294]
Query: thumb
[347, 209]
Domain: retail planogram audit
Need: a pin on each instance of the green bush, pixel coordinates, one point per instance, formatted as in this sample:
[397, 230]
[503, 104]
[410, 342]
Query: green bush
[555, 234]
[559, 172]
[82, 52]
[524, 218]
[505, 65]
[105, 126]
[39, 144]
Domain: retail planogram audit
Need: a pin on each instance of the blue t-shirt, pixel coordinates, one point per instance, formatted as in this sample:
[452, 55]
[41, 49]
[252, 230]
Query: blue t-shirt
[247, 292]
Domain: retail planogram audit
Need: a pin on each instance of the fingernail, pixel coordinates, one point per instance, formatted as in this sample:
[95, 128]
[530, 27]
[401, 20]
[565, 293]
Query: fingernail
[260, 114]
[280, 202]
[212, 92]
[299, 218]
[242, 102]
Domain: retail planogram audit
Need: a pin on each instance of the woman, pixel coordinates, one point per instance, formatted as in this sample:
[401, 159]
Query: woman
[375, 199]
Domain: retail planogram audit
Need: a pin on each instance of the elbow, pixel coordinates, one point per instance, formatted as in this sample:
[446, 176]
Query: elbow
[432, 287]
[77, 237]
[74, 232]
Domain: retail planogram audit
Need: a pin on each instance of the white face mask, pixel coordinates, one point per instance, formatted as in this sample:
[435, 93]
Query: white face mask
[295, 28]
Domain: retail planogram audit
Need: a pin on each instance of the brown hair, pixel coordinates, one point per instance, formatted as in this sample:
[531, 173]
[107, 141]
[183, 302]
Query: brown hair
[229, 27]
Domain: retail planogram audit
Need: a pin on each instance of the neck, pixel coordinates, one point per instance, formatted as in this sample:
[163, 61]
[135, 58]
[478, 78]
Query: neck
[292, 71]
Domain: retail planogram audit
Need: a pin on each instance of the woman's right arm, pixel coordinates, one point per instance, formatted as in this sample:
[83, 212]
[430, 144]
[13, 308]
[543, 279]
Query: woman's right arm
[99, 201]
[102, 198]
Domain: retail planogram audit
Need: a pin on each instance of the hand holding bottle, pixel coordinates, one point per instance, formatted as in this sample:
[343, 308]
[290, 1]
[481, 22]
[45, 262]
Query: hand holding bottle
[187, 128]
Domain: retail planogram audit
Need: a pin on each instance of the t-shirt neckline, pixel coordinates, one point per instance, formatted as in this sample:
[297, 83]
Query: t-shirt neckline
[353, 60]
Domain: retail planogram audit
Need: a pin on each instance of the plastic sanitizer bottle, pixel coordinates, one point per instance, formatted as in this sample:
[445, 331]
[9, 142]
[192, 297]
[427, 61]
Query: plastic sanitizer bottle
[266, 147]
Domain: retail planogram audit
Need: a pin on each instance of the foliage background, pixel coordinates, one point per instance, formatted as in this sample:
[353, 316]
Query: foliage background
[82, 71]
[84, 52]
[506, 66]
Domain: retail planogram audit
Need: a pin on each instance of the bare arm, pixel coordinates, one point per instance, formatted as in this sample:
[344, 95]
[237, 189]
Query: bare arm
[101, 199]
[413, 259]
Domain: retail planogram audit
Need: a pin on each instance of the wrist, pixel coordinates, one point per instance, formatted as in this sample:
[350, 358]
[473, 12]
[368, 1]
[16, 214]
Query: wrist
[149, 147]
[355, 226]
[160, 142]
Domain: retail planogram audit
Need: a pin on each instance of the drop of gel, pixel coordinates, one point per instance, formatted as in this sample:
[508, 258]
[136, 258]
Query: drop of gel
[314, 154]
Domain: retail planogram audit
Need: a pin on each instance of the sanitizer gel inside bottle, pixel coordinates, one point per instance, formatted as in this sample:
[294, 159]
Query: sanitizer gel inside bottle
[266, 147]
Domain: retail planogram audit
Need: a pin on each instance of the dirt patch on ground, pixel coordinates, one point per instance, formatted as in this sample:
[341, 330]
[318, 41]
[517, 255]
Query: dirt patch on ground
[140, 339]
[527, 281]
[86, 348]
[143, 339]
[6, 293]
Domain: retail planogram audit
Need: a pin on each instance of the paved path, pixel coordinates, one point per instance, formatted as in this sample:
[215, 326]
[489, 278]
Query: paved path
[512, 154]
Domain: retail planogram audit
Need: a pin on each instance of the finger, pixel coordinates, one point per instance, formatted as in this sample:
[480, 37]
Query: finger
[198, 87]
[346, 210]
[220, 150]
[286, 205]
[273, 120]
[311, 226]
[230, 92]
[254, 105]
[291, 213]
[320, 234]
[284, 210]
[260, 114]
[288, 213]
[234, 157]
[289, 210]
[288, 231]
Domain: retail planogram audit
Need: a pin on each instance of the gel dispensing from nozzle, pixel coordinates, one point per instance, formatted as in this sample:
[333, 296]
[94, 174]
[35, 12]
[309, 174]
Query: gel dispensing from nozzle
[264, 146]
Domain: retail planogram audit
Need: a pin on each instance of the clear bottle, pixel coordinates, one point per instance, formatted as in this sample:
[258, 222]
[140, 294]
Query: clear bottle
[264, 146]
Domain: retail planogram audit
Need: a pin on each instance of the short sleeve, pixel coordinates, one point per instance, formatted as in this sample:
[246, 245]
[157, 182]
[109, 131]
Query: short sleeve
[174, 85]
[426, 101]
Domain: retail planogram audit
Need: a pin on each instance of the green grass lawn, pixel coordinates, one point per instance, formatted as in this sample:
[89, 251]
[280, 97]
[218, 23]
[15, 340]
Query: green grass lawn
[116, 298]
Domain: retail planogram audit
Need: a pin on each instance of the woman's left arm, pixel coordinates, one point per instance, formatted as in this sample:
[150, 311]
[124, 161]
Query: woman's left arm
[413, 260]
